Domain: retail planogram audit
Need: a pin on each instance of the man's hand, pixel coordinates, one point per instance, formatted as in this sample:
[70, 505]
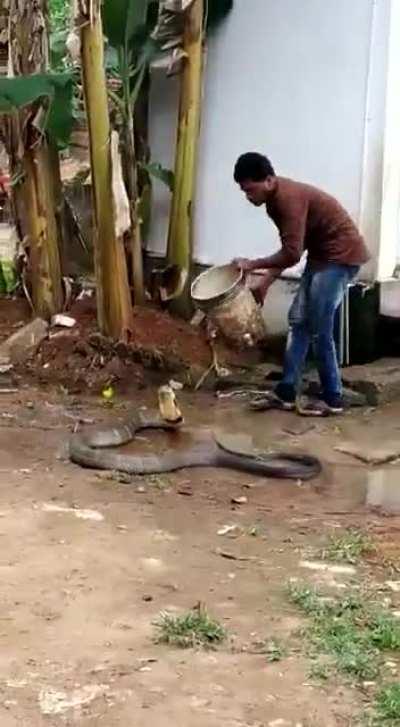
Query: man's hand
[259, 285]
[243, 263]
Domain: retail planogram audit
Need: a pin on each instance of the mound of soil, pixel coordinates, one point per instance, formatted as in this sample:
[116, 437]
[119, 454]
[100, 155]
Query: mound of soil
[81, 358]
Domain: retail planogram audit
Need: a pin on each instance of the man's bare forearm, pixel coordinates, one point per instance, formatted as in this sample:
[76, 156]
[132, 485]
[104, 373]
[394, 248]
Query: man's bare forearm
[280, 260]
[262, 271]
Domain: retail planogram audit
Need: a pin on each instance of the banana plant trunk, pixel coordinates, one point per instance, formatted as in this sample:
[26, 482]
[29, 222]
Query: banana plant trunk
[133, 195]
[32, 162]
[181, 219]
[114, 306]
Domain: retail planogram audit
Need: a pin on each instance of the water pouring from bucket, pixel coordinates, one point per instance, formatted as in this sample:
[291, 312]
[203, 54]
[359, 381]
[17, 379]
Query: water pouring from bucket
[222, 293]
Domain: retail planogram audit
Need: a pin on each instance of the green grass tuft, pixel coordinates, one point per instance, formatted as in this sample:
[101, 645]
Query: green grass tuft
[320, 670]
[348, 547]
[387, 706]
[351, 631]
[306, 597]
[194, 629]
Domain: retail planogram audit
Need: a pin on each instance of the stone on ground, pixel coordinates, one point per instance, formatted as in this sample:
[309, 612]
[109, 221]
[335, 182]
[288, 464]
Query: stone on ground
[24, 342]
[378, 381]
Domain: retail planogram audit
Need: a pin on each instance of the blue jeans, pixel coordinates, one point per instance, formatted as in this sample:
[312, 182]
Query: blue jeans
[311, 323]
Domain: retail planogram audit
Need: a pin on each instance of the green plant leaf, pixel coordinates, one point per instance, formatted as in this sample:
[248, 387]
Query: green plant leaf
[158, 172]
[61, 116]
[117, 101]
[121, 18]
[59, 16]
[57, 88]
[142, 47]
[111, 60]
[144, 209]
[137, 85]
[60, 60]
[130, 47]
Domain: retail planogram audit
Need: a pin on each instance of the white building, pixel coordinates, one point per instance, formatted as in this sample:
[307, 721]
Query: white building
[314, 84]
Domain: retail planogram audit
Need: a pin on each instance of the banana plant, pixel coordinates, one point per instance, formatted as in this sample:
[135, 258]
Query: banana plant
[138, 31]
[114, 307]
[198, 17]
[127, 25]
[128, 29]
[34, 107]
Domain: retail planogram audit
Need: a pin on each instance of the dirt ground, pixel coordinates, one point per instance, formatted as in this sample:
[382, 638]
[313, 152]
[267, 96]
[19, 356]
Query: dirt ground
[88, 564]
[80, 359]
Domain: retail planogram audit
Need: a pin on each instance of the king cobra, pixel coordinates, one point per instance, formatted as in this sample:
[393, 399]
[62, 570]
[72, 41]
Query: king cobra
[93, 449]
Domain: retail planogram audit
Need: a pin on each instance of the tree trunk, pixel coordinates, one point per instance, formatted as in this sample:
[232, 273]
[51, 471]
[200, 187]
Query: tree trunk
[32, 161]
[114, 307]
[181, 219]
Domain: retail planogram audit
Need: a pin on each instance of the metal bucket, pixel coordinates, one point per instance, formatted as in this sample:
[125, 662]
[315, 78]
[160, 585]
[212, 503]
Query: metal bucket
[221, 292]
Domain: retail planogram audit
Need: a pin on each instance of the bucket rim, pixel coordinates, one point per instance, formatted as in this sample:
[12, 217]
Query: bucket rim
[202, 299]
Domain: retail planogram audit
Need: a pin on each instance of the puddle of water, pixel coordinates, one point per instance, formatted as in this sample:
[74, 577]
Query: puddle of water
[343, 487]
[162, 441]
[352, 487]
[204, 415]
[383, 489]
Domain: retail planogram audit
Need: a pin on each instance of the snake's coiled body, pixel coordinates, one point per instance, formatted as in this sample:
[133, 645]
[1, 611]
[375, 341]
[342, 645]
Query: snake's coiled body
[93, 450]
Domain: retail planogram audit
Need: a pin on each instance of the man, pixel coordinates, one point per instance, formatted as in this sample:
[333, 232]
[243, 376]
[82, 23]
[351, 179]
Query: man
[307, 219]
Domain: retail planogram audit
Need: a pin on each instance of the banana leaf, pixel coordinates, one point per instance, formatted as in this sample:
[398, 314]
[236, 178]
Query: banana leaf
[121, 18]
[56, 89]
[58, 50]
[158, 172]
[128, 27]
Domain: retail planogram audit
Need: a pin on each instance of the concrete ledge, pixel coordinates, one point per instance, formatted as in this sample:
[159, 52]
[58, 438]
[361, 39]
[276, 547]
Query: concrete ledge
[378, 381]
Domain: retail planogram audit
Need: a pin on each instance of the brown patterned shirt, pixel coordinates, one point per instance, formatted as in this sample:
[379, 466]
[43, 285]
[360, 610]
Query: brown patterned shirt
[309, 219]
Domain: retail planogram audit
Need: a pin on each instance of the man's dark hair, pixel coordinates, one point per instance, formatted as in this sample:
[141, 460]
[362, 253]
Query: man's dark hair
[254, 167]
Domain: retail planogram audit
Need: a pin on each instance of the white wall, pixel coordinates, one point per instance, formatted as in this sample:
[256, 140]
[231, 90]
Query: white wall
[162, 137]
[390, 206]
[288, 78]
[302, 81]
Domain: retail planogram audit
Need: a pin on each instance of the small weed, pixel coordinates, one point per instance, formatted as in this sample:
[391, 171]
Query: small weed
[358, 661]
[349, 547]
[307, 598]
[341, 637]
[160, 483]
[385, 631]
[274, 651]
[351, 630]
[194, 629]
[320, 671]
[387, 706]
